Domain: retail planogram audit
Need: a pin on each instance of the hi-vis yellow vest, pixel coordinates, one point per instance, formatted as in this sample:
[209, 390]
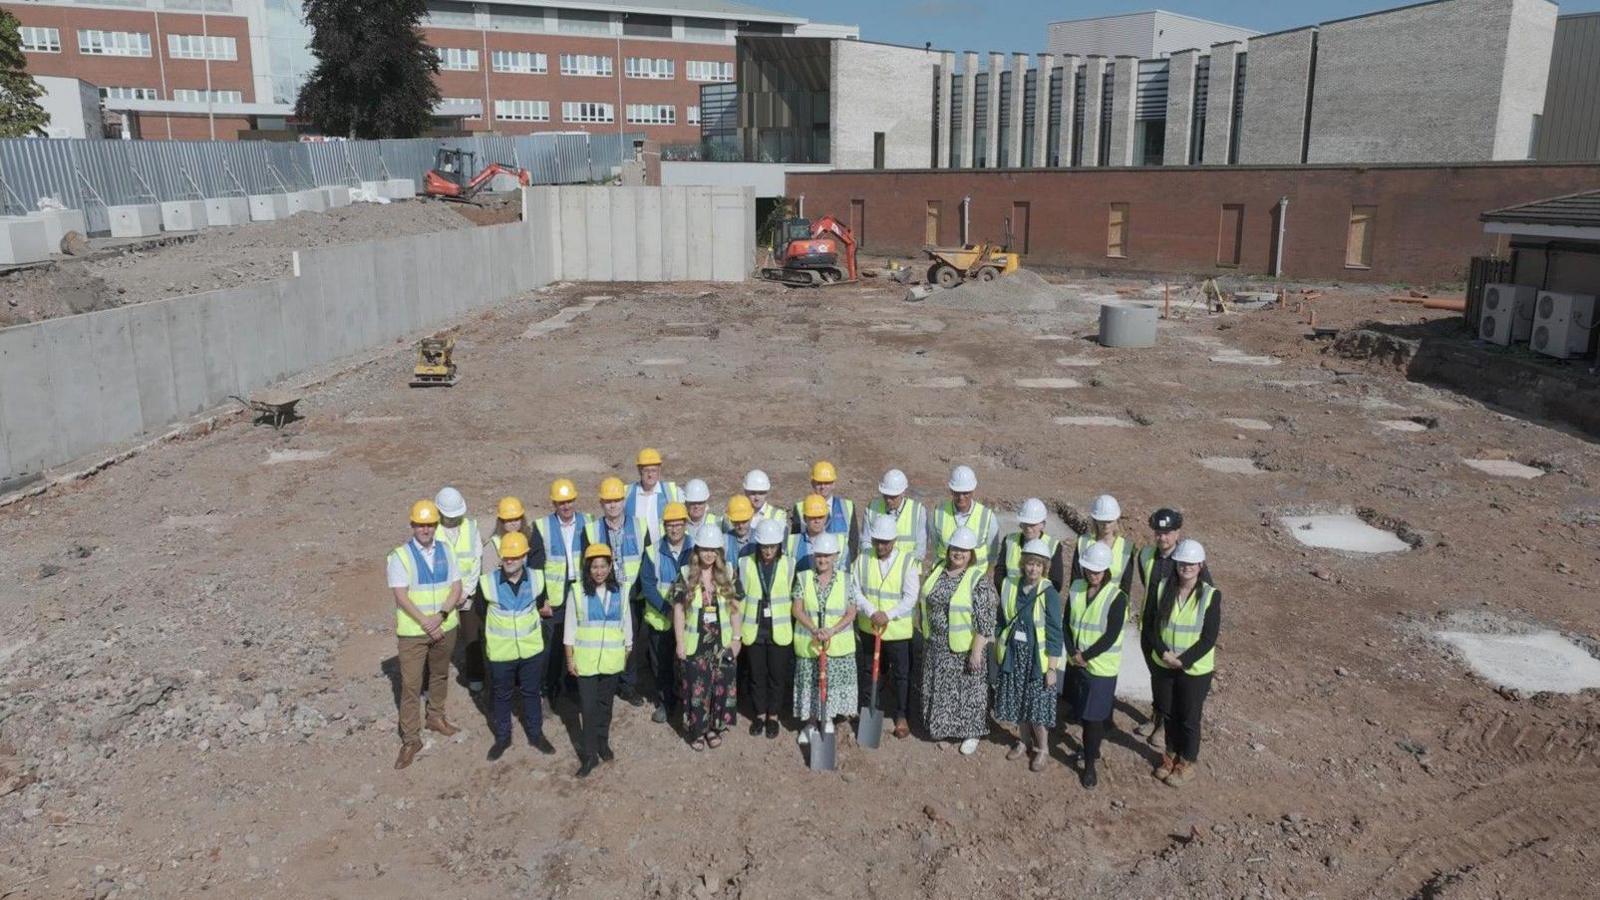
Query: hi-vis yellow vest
[511, 623]
[883, 592]
[691, 621]
[1090, 618]
[1121, 553]
[1182, 629]
[960, 606]
[1010, 592]
[980, 520]
[430, 586]
[599, 647]
[836, 604]
[779, 600]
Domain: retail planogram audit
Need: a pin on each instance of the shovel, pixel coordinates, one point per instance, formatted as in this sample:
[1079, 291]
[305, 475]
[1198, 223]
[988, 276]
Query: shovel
[824, 745]
[870, 732]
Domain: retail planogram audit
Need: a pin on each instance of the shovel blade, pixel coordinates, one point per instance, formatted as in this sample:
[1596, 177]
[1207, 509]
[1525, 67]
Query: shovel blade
[824, 751]
[869, 733]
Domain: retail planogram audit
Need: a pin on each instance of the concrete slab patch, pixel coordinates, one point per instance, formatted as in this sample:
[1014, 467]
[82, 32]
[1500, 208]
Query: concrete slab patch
[1342, 532]
[1504, 468]
[278, 457]
[1054, 337]
[562, 319]
[919, 326]
[568, 463]
[943, 421]
[374, 420]
[1049, 384]
[663, 361]
[1230, 465]
[1240, 359]
[1094, 421]
[1532, 663]
[1133, 678]
[1403, 425]
[1250, 424]
[1077, 362]
[942, 382]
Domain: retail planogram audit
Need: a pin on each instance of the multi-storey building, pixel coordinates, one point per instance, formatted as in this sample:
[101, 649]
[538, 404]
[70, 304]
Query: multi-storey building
[212, 68]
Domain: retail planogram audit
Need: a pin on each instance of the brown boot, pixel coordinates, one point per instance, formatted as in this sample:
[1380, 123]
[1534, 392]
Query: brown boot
[1182, 774]
[1164, 771]
[901, 728]
[440, 724]
[408, 752]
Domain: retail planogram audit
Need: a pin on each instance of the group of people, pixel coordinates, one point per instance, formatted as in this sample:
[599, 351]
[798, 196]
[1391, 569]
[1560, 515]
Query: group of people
[803, 601]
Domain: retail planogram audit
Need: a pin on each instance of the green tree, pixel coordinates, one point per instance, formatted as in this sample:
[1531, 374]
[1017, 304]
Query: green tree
[20, 112]
[374, 72]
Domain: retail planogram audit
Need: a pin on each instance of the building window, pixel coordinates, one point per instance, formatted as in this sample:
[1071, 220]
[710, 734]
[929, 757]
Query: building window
[1230, 235]
[585, 64]
[114, 43]
[652, 114]
[40, 40]
[129, 93]
[200, 46]
[457, 59]
[519, 62]
[644, 67]
[588, 112]
[522, 110]
[183, 95]
[691, 115]
[1358, 243]
[467, 102]
[703, 70]
[877, 150]
[1117, 231]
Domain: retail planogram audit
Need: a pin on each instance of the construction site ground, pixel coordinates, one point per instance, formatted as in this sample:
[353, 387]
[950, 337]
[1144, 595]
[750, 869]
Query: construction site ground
[198, 689]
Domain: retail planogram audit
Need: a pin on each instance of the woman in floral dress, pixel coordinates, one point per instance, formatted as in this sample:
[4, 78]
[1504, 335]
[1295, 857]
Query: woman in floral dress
[956, 622]
[705, 619]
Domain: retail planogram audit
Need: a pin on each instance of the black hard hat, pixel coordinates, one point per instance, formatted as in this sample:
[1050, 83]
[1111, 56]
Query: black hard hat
[1166, 520]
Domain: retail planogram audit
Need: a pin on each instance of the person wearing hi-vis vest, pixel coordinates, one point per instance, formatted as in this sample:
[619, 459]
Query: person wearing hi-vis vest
[1106, 514]
[1030, 527]
[1097, 610]
[514, 639]
[757, 487]
[599, 634]
[741, 533]
[1154, 564]
[1187, 619]
[563, 536]
[889, 582]
[1027, 649]
[511, 517]
[963, 510]
[706, 626]
[841, 512]
[658, 572]
[956, 620]
[426, 584]
[648, 497]
[459, 533]
[813, 525]
[766, 582]
[824, 609]
[697, 500]
[910, 517]
[627, 539]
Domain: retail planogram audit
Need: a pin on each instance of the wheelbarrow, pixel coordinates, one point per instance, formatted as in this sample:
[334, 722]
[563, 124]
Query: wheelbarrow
[272, 407]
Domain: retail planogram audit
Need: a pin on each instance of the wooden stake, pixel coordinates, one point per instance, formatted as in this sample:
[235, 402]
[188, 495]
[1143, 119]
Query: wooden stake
[1166, 300]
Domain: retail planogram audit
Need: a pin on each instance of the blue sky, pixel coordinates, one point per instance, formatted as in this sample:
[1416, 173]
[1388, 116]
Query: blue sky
[1020, 25]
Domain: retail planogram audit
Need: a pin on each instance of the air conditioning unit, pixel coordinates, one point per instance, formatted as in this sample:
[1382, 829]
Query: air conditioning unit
[1515, 302]
[1495, 327]
[1562, 324]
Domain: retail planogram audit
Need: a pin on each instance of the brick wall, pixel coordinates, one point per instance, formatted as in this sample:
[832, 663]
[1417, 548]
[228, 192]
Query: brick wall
[1426, 226]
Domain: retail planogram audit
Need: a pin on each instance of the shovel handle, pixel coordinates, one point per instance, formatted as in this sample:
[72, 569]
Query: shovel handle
[822, 683]
[877, 655]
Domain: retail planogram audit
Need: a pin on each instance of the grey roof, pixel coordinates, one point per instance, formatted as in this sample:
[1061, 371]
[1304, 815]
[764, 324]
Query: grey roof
[1581, 209]
[708, 8]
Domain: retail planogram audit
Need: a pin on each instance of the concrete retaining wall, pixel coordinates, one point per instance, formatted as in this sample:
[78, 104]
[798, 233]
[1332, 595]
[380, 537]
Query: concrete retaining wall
[644, 233]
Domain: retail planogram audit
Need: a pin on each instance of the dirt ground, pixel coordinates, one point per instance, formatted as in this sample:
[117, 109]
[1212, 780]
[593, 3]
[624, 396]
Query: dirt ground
[118, 274]
[197, 695]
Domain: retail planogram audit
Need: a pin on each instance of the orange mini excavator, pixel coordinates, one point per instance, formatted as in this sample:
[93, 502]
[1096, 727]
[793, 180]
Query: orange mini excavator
[813, 254]
[447, 180]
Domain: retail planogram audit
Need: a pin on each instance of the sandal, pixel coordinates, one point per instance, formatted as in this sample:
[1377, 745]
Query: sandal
[698, 744]
[714, 741]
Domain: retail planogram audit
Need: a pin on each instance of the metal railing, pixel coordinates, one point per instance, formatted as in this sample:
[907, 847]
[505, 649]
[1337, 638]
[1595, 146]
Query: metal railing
[91, 175]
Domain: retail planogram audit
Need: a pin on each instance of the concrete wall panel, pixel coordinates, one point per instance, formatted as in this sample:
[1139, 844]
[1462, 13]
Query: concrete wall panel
[624, 234]
[113, 362]
[26, 413]
[597, 233]
[152, 364]
[728, 262]
[647, 218]
[699, 229]
[1277, 96]
[675, 233]
[257, 333]
[1094, 89]
[299, 320]
[216, 349]
[1529, 48]
[74, 387]
[187, 342]
[870, 86]
[1219, 102]
[574, 233]
[1180, 108]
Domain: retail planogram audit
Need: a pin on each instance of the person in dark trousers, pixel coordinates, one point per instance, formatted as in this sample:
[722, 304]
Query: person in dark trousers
[1097, 611]
[514, 641]
[563, 534]
[658, 573]
[598, 636]
[1155, 566]
[889, 582]
[1187, 619]
[766, 584]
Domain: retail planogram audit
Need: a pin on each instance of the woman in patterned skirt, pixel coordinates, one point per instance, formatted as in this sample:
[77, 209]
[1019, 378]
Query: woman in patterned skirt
[1028, 649]
[956, 622]
[705, 618]
[824, 611]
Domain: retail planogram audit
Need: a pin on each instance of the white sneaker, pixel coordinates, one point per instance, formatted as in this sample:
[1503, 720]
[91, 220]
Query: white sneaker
[969, 746]
[804, 737]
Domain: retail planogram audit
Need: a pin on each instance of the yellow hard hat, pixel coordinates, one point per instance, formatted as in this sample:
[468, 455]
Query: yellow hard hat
[509, 508]
[613, 489]
[649, 456]
[562, 489]
[597, 550]
[823, 472]
[675, 512]
[424, 512]
[739, 509]
[814, 507]
[514, 544]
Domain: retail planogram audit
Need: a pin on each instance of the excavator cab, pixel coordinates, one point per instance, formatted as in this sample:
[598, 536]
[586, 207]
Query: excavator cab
[452, 178]
[454, 164]
[813, 254]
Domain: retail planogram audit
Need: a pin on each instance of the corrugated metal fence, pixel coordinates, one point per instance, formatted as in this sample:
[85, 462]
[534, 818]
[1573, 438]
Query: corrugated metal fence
[93, 174]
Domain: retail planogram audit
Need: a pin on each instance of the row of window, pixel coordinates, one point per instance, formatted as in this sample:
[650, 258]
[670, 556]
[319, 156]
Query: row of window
[463, 59]
[183, 95]
[577, 111]
[130, 43]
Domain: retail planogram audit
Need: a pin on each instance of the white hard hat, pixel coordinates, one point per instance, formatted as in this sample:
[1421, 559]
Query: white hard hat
[893, 483]
[1037, 547]
[1105, 509]
[963, 479]
[1189, 551]
[1032, 512]
[709, 536]
[964, 539]
[770, 532]
[1095, 559]
[450, 503]
[757, 480]
[825, 544]
[696, 491]
[885, 529]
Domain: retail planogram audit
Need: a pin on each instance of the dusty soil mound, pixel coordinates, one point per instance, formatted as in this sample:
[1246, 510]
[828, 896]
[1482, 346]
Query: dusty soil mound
[211, 260]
